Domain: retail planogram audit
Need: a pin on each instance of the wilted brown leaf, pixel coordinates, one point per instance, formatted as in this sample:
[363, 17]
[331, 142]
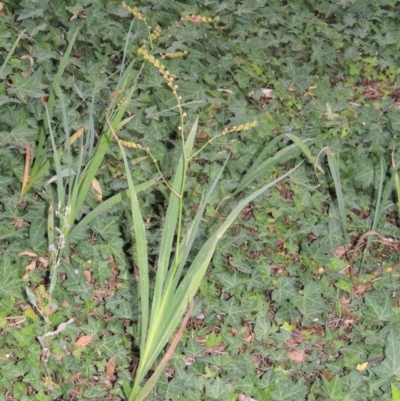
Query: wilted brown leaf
[111, 364]
[296, 355]
[361, 366]
[27, 253]
[83, 341]
[96, 189]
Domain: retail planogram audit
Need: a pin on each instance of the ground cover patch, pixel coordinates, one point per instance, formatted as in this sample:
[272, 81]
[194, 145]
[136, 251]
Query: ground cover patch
[300, 300]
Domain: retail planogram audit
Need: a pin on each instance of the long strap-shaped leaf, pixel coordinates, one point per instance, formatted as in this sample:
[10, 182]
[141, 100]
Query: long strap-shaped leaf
[174, 303]
[39, 168]
[107, 205]
[172, 293]
[169, 229]
[142, 254]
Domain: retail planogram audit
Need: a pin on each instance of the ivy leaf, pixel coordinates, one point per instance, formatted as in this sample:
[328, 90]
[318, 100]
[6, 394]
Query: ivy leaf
[285, 289]
[30, 86]
[102, 272]
[229, 281]
[262, 329]
[233, 312]
[107, 228]
[37, 230]
[333, 388]
[114, 247]
[335, 236]
[94, 392]
[11, 284]
[365, 172]
[218, 390]
[83, 289]
[390, 366]
[309, 301]
[286, 390]
[378, 307]
[125, 310]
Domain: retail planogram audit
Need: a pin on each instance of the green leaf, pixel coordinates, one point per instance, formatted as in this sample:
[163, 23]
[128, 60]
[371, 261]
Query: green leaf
[395, 392]
[31, 86]
[309, 301]
[83, 289]
[378, 307]
[114, 247]
[365, 172]
[286, 390]
[286, 289]
[107, 228]
[262, 329]
[333, 388]
[94, 392]
[102, 272]
[233, 312]
[390, 366]
[36, 216]
[125, 310]
[218, 390]
[11, 283]
[335, 236]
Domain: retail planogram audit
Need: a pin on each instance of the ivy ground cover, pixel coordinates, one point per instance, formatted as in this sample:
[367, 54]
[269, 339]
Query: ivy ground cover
[301, 298]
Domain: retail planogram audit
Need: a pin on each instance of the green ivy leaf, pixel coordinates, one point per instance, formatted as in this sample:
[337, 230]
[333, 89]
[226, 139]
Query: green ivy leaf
[233, 312]
[285, 289]
[286, 390]
[390, 366]
[333, 388]
[102, 272]
[262, 329]
[378, 307]
[107, 228]
[11, 283]
[94, 392]
[309, 301]
[218, 390]
[30, 86]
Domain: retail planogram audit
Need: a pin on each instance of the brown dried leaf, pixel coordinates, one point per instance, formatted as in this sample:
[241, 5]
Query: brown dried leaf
[111, 364]
[27, 253]
[43, 261]
[362, 366]
[83, 341]
[361, 288]
[88, 275]
[96, 189]
[296, 355]
[31, 266]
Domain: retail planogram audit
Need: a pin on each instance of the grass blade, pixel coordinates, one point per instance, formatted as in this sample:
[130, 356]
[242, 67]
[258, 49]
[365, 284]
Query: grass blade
[305, 149]
[171, 220]
[10, 53]
[38, 170]
[142, 255]
[334, 169]
[174, 302]
[106, 205]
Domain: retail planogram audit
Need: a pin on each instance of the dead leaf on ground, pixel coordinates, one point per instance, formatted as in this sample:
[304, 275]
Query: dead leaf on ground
[243, 397]
[362, 366]
[296, 355]
[96, 189]
[27, 253]
[88, 275]
[83, 341]
[111, 364]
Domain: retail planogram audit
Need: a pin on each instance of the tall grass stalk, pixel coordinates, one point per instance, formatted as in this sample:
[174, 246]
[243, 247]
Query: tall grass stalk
[175, 282]
[74, 176]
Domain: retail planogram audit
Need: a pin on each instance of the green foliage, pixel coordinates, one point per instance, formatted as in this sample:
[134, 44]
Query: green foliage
[279, 315]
